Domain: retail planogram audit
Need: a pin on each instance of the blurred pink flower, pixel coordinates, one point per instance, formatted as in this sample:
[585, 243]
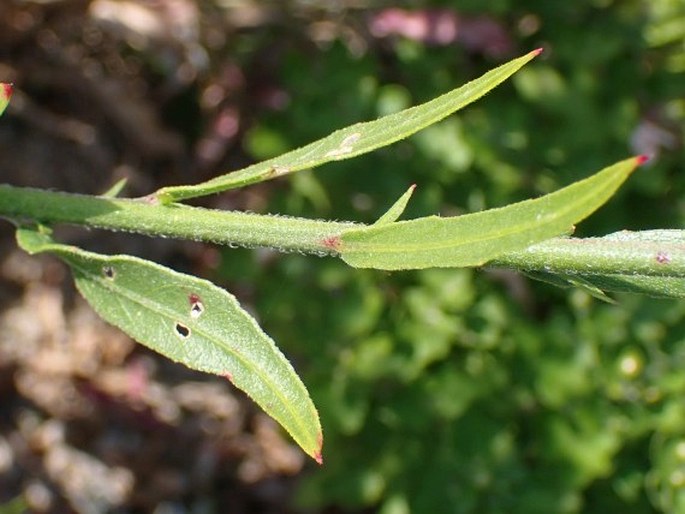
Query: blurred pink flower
[481, 34]
[650, 138]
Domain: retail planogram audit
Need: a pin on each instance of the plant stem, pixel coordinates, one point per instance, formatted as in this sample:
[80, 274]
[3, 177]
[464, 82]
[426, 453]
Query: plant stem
[177, 221]
[659, 253]
[651, 253]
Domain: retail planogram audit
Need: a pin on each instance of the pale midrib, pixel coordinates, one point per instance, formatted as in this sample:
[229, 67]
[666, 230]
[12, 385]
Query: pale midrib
[403, 124]
[141, 300]
[519, 228]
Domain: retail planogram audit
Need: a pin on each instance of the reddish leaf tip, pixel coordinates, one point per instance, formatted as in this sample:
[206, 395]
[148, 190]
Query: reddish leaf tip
[318, 457]
[641, 159]
[8, 87]
[412, 187]
[537, 51]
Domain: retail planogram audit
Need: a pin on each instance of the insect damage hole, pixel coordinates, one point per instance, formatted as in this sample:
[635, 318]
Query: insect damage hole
[345, 146]
[196, 306]
[182, 331]
[277, 171]
[108, 272]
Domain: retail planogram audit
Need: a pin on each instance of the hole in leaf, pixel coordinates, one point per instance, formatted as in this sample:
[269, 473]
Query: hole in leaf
[108, 272]
[182, 331]
[196, 306]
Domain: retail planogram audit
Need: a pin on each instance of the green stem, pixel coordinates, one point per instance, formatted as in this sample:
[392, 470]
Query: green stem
[653, 254]
[658, 253]
[177, 221]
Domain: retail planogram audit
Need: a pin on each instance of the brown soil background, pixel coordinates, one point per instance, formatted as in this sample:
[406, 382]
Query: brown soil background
[89, 421]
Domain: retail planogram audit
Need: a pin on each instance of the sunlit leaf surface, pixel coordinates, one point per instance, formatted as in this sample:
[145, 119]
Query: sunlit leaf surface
[474, 239]
[356, 139]
[194, 322]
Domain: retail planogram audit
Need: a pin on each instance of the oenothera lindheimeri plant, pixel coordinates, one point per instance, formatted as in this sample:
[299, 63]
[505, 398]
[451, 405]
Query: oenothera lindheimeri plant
[194, 322]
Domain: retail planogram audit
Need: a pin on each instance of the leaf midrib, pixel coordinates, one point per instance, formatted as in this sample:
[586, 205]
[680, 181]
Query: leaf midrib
[455, 243]
[141, 300]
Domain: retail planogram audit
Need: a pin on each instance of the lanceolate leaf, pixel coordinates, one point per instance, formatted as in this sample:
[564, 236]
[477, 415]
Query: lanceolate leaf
[353, 140]
[396, 210]
[5, 94]
[566, 281]
[116, 189]
[193, 322]
[474, 239]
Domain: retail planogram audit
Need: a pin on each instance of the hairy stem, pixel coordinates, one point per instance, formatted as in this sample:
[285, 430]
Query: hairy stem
[656, 253]
[177, 221]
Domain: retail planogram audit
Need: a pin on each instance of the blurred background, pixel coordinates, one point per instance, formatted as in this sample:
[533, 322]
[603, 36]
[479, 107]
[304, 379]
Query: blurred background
[440, 391]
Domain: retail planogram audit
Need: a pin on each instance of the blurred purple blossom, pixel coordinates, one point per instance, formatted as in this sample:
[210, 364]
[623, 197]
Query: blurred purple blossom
[441, 27]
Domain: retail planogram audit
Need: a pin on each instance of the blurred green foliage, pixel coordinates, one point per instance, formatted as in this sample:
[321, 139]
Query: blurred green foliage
[478, 391]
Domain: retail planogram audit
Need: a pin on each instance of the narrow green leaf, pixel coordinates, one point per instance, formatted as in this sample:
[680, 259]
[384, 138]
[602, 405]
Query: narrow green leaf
[353, 140]
[474, 239]
[194, 322]
[567, 281]
[5, 94]
[396, 209]
[650, 262]
[659, 287]
[116, 189]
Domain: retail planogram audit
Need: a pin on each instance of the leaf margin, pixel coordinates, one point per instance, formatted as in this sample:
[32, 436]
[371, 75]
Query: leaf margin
[310, 440]
[343, 143]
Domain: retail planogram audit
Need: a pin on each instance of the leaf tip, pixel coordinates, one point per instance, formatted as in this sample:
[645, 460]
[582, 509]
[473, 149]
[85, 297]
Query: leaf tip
[537, 51]
[7, 89]
[318, 457]
[5, 93]
[641, 159]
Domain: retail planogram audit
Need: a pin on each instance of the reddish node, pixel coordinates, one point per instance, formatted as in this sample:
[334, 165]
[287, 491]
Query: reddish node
[193, 298]
[229, 377]
[641, 159]
[9, 88]
[663, 258]
[332, 242]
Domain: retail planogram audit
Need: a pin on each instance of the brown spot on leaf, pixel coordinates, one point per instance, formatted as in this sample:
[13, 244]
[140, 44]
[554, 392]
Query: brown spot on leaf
[196, 306]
